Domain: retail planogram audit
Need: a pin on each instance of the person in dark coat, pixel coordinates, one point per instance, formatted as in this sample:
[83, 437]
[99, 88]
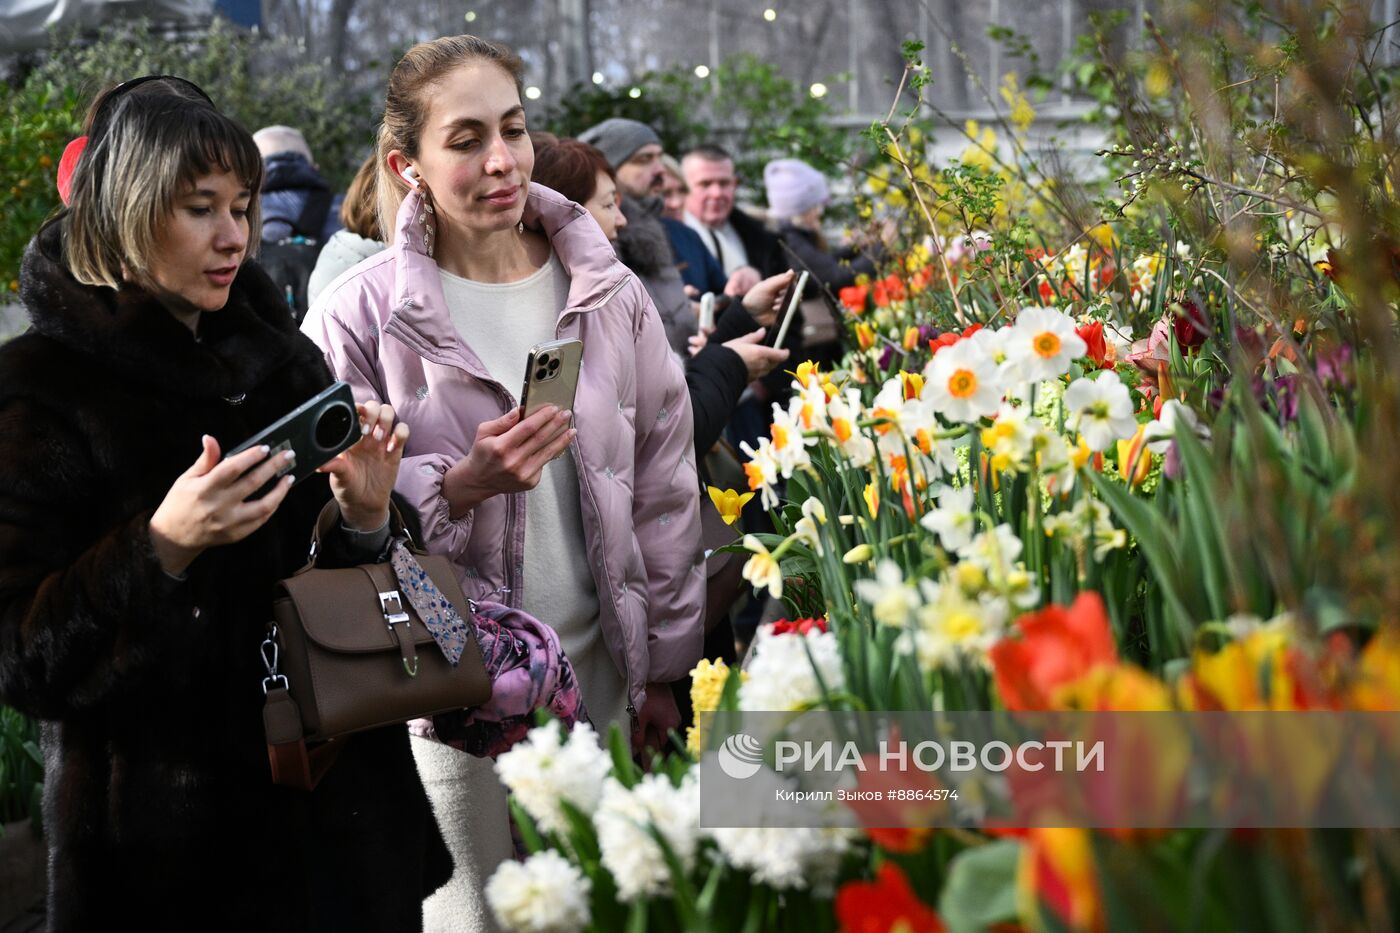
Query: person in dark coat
[797, 198]
[136, 572]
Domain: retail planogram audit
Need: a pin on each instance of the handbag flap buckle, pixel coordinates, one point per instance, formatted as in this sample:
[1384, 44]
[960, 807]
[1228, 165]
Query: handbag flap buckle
[391, 604]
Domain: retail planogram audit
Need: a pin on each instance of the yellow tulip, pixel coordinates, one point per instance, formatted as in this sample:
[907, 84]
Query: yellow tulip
[1134, 459]
[865, 336]
[729, 503]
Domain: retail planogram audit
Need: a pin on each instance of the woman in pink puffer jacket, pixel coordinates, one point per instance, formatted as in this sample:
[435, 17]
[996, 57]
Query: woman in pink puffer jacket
[594, 528]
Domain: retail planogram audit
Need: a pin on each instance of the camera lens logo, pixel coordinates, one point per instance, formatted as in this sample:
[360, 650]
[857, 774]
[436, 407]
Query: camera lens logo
[740, 756]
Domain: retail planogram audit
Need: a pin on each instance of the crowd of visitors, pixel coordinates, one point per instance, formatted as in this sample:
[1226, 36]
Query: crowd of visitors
[200, 283]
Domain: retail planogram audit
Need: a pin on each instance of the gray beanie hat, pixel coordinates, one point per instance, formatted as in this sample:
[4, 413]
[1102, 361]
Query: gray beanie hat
[618, 137]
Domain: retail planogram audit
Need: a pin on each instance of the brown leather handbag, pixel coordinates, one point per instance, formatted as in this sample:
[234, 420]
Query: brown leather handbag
[346, 652]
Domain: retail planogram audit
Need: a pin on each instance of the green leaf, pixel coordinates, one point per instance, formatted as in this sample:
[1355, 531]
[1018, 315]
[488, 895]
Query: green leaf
[981, 887]
[529, 834]
[620, 748]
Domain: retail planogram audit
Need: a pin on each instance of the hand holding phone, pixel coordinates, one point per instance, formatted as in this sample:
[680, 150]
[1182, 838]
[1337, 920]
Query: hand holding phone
[314, 432]
[791, 300]
[551, 376]
[707, 312]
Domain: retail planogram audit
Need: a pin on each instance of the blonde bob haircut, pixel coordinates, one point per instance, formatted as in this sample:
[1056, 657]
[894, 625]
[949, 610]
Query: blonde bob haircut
[409, 97]
[158, 141]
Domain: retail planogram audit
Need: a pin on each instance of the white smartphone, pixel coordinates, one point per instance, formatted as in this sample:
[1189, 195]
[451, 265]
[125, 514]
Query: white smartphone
[707, 312]
[551, 376]
[794, 298]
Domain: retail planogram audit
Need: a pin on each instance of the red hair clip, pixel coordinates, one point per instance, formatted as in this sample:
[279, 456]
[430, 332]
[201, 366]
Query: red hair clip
[71, 153]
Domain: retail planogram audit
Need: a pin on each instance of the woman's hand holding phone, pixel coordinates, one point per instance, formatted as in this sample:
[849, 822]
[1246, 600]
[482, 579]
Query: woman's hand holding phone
[764, 301]
[509, 455]
[205, 507]
[363, 476]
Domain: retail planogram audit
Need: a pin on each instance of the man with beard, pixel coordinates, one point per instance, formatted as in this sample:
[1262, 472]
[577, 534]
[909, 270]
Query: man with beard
[645, 245]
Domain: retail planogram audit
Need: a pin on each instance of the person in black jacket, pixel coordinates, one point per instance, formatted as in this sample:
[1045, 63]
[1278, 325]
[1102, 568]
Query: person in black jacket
[136, 574]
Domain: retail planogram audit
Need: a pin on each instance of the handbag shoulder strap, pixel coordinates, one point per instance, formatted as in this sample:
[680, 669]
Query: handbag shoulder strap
[329, 520]
[292, 763]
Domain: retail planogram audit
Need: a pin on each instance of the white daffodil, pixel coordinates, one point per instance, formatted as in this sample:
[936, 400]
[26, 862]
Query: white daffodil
[953, 626]
[808, 407]
[761, 469]
[789, 446]
[1011, 438]
[953, 521]
[961, 382]
[1101, 410]
[997, 344]
[762, 568]
[1174, 418]
[844, 414]
[808, 526]
[892, 600]
[1045, 343]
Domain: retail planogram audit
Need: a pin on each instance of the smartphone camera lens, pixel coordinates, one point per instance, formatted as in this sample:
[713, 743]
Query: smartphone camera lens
[333, 426]
[541, 375]
[553, 367]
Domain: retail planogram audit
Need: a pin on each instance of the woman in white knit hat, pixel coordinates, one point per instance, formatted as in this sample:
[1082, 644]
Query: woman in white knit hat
[797, 197]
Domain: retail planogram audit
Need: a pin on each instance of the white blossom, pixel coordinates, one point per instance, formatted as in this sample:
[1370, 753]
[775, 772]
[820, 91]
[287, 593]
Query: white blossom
[543, 894]
[545, 770]
[1101, 410]
[624, 821]
[782, 676]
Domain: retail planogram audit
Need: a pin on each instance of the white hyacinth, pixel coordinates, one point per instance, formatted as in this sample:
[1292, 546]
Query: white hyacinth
[543, 894]
[545, 770]
[1101, 410]
[624, 822]
[781, 676]
[786, 858]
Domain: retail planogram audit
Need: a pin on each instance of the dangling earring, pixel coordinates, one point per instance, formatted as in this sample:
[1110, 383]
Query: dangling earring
[426, 218]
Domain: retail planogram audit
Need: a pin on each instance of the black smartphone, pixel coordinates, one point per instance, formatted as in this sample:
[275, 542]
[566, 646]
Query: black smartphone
[551, 376]
[317, 430]
[791, 299]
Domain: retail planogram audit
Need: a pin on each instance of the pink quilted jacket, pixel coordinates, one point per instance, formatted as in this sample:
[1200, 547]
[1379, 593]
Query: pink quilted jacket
[385, 329]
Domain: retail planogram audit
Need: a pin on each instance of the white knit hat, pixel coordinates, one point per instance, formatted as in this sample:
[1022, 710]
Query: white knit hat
[794, 187]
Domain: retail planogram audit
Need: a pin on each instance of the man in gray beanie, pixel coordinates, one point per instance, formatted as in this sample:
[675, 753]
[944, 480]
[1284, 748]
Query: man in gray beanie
[633, 150]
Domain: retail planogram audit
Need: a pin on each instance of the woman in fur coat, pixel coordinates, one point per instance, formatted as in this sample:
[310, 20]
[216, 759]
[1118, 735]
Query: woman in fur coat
[136, 581]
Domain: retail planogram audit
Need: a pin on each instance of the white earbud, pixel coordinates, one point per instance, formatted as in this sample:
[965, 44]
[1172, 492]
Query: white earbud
[410, 176]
